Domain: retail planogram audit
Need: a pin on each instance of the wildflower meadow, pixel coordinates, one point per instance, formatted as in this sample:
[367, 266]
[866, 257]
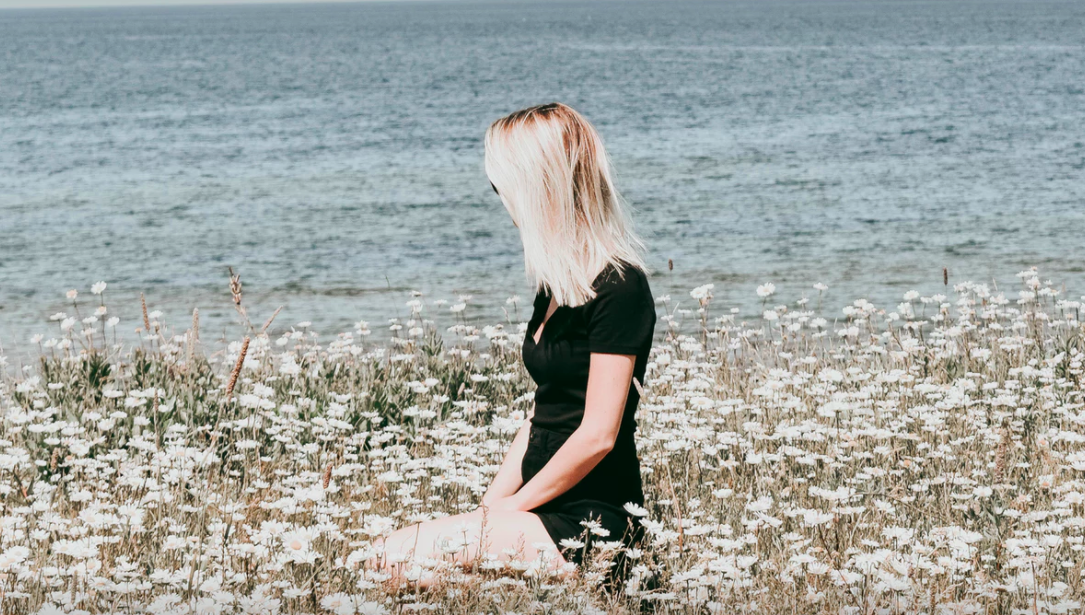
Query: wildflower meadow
[924, 457]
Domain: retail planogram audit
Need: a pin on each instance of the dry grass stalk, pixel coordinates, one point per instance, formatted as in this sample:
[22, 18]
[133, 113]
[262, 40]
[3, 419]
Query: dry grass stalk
[235, 292]
[146, 319]
[1002, 454]
[270, 320]
[193, 337]
[237, 368]
[235, 286]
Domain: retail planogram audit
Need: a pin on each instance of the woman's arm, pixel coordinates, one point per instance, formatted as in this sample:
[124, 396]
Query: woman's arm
[609, 378]
[508, 478]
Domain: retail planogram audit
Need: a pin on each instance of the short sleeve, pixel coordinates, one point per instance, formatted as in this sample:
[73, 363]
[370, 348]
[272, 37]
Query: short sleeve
[621, 317]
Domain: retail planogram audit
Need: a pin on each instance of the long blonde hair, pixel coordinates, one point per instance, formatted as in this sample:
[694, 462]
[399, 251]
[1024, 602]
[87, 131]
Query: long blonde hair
[550, 168]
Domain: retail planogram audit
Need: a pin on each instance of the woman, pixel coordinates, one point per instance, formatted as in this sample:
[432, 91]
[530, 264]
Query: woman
[589, 336]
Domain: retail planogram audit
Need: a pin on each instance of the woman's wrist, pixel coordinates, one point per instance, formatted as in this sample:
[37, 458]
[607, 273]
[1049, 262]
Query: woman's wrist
[492, 497]
[516, 502]
[507, 503]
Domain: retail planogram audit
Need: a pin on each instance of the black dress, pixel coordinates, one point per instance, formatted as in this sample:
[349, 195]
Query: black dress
[620, 319]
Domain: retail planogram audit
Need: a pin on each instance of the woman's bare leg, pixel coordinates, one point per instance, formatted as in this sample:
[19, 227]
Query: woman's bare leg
[506, 535]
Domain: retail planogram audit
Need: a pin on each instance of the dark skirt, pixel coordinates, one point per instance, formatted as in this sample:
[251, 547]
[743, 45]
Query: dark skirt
[599, 496]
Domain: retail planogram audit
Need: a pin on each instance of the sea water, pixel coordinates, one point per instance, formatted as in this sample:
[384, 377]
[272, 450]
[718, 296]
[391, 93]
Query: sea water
[332, 154]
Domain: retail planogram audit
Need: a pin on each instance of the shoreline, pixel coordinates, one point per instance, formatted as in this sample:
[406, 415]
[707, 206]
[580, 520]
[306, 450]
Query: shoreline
[331, 313]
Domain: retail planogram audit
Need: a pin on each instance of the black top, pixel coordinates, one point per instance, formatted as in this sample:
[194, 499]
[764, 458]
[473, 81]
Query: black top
[620, 319]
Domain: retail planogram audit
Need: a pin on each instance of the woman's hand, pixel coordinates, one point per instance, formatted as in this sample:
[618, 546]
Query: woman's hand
[506, 503]
[508, 479]
[609, 379]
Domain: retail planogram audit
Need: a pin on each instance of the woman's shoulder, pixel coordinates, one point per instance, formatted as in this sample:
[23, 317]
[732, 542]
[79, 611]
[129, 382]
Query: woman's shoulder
[621, 275]
[621, 317]
[622, 280]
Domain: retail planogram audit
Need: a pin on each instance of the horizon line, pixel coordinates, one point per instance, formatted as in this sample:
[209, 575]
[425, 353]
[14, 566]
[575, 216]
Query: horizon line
[145, 4]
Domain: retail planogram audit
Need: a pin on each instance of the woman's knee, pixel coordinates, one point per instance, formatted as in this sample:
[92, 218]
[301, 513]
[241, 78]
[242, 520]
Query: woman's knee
[494, 538]
[435, 538]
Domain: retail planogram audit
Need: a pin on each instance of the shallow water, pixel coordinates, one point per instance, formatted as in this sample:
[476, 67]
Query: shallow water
[332, 154]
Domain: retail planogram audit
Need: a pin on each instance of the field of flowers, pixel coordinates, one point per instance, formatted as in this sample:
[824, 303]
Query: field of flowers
[919, 458]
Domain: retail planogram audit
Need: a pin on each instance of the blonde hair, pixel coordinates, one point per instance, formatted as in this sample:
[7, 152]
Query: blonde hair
[550, 168]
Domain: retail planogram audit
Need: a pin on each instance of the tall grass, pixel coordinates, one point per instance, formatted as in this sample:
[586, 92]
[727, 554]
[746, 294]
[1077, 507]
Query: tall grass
[919, 458]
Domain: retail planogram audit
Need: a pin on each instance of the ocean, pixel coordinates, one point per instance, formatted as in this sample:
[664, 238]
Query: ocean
[332, 154]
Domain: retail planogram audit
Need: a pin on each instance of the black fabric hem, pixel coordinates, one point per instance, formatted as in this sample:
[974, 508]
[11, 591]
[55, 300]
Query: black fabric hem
[564, 524]
[554, 532]
[614, 349]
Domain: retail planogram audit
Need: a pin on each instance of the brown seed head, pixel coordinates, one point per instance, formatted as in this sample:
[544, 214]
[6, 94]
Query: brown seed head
[146, 319]
[235, 286]
[327, 475]
[237, 369]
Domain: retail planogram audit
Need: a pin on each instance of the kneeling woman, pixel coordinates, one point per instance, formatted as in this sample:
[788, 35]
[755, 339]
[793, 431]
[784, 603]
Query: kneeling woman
[573, 466]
